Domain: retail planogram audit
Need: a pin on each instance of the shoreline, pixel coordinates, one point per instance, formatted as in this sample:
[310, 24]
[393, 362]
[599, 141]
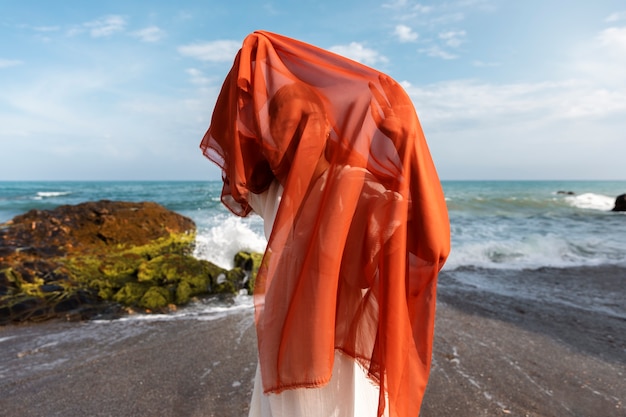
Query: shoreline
[541, 343]
[538, 357]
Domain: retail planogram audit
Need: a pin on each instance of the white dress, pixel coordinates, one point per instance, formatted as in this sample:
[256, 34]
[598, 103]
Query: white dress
[348, 394]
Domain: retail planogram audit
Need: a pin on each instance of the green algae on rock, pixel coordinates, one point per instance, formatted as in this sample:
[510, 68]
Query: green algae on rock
[249, 262]
[82, 260]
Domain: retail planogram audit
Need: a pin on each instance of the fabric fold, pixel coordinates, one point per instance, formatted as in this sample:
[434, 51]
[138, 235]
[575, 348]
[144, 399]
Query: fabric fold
[361, 231]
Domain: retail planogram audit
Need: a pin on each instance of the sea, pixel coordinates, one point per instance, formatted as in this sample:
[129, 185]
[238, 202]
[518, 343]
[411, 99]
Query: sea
[496, 226]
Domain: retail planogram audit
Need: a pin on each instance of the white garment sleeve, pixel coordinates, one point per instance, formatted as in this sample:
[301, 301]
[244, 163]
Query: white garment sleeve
[266, 205]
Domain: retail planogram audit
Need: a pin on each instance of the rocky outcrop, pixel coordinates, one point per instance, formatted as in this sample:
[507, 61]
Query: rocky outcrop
[620, 203]
[105, 257]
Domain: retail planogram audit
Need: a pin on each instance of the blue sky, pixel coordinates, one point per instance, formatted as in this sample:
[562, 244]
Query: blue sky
[124, 90]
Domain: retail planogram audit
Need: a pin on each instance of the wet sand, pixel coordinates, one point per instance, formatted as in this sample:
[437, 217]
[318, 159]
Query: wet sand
[547, 343]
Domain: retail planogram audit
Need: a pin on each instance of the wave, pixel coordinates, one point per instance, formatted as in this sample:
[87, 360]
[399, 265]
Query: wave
[206, 309]
[486, 245]
[50, 194]
[536, 251]
[219, 242]
[591, 201]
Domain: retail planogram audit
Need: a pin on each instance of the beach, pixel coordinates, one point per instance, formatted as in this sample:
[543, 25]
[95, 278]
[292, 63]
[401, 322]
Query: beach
[542, 343]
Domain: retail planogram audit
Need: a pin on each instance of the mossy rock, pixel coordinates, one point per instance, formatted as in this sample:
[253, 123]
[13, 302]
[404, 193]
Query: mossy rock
[229, 282]
[157, 298]
[249, 263]
[95, 255]
[49, 305]
[123, 266]
[131, 293]
[173, 268]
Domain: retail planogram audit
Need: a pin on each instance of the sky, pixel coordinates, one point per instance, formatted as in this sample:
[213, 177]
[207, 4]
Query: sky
[124, 90]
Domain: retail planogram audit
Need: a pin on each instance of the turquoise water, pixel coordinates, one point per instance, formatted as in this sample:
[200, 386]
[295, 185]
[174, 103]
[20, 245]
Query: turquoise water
[495, 224]
[532, 224]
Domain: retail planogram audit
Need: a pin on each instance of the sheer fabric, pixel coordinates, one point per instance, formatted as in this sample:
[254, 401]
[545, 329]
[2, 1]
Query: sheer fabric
[350, 393]
[361, 230]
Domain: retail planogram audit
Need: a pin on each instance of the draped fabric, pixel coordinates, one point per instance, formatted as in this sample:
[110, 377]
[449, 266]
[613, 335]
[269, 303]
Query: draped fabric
[361, 231]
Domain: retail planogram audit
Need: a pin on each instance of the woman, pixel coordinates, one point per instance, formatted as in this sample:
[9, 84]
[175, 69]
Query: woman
[331, 154]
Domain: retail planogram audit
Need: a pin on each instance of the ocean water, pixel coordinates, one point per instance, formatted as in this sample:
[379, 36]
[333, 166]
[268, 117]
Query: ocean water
[500, 229]
[495, 224]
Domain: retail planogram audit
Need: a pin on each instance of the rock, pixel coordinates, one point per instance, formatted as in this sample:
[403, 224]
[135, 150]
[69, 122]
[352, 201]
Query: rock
[566, 192]
[620, 203]
[249, 262]
[96, 257]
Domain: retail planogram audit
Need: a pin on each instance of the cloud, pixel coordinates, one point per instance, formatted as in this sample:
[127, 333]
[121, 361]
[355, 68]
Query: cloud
[100, 28]
[483, 64]
[437, 52]
[522, 130]
[213, 51]
[106, 26]
[197, 77]
[404, 4]
[149, 34]
[405, 33]
[47, 28]
[450, 39]
[453, 39]
[6, 63]
[468, 102]
[616, 17]
[420, 8]
[601, 59]
[360, 53]
[614, 37]
[396, 4]
[96, 128]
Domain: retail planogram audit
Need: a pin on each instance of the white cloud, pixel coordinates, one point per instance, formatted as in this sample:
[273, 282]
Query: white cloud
[47, 28]
[197, 77]
[483, 64]
[420, 8]
[100, 28]
[97, 129]
[404, 4]
[451, 103]
[522, 130]
[149, 34]
[405, 33]
[453, 39]
[616, 17]
[601, 59]
[614, 37]
[213, 51]
[106, 26]
[6, 63]
[360, 53]
[395, 4]
[437, 52]
[446, 18]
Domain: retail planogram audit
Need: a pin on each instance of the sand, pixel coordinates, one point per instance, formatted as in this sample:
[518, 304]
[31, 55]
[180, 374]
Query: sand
[530, 343]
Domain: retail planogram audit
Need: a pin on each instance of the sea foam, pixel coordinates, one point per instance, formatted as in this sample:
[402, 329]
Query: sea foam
[218, 243]
[591, 201]
[50, 194]
[535, 251]
[204, 309]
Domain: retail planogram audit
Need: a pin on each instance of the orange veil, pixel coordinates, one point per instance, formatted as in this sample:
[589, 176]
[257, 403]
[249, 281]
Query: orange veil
[362, 227]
